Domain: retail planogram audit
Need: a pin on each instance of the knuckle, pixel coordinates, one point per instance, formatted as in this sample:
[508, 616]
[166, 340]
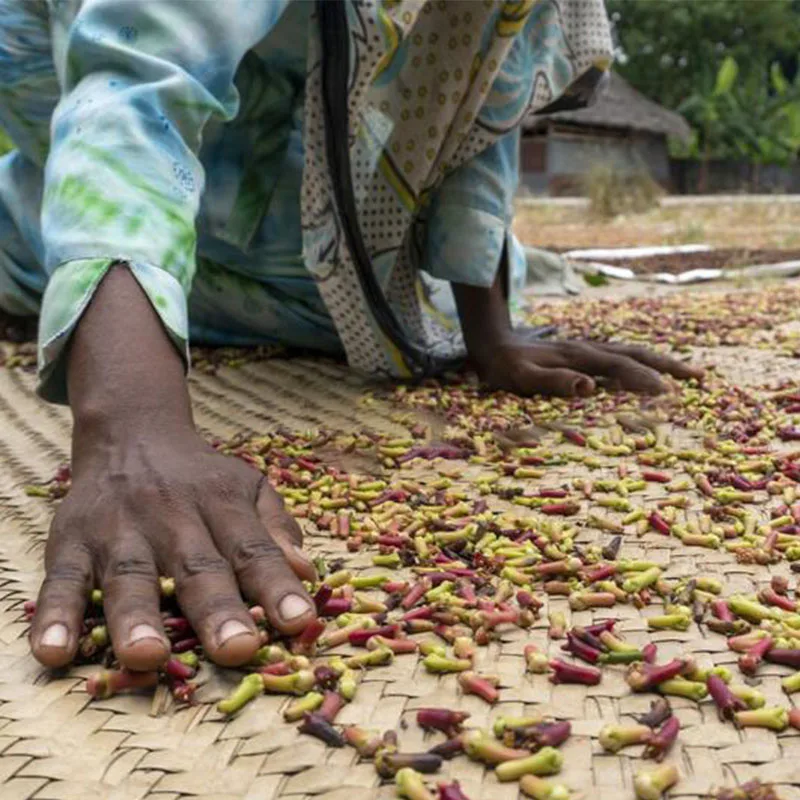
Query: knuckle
[66, 576]
[192, 565]
[225, 487]
[252, 552]
[130, 567]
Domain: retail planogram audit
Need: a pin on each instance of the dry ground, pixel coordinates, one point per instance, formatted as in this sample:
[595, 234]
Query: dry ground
[733, 224]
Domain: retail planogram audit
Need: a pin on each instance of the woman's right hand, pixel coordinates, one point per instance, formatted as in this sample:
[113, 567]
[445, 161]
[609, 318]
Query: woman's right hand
[149, 497]
[170, 505]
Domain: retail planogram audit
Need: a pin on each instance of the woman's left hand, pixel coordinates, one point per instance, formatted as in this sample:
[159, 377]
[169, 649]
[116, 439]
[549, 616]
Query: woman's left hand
[573, 368]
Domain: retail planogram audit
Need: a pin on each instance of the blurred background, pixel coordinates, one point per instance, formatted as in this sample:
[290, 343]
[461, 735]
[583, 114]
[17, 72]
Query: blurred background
[696, 141]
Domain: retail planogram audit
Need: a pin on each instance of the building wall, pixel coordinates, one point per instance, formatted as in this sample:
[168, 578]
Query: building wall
[557, 162]
[731, 177]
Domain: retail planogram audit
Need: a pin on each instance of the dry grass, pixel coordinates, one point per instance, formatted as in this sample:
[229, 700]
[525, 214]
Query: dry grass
[750, 225]
[612, 193]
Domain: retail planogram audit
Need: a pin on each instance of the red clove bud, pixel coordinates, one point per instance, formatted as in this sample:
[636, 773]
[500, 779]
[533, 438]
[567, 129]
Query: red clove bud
[449, 748]
[660, 743]
[581, 649]
[782, 655]
[315, 724]
[483, 686]
[644, 677]
[332, 704]
[573, 673]
[660, 711]
[451, 791]
[388, 763]
[178, 670]
[442, 719]
[724, 699]
[541, 734]
[360, 637]
[750, 661]
[659, 524]
[108, 683]
[305, 643]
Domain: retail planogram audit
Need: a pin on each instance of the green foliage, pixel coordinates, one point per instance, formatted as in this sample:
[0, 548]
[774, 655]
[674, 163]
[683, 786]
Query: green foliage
[612, 192]
[5, 142]
[595, 279]
[671, 48]
[722, 63]
[741, 119]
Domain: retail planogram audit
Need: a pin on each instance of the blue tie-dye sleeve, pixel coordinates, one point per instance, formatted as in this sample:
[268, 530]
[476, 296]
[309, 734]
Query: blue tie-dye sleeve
[123, 182]
[471, 214]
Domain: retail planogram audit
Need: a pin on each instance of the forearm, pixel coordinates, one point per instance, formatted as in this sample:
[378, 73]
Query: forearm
[123, 372]
[483, 313]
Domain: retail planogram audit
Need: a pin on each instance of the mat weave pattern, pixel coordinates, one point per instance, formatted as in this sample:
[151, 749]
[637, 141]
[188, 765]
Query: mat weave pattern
[55, 744]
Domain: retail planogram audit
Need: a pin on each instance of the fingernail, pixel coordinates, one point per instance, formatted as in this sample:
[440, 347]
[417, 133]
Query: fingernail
[231, 629]
[143, 631]
[55, 636]
[293, 606]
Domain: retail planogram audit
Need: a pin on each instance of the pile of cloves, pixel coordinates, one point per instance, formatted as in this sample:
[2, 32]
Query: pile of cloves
[517, 517]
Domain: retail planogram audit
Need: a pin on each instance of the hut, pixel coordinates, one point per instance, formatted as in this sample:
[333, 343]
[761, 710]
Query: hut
[623, 129]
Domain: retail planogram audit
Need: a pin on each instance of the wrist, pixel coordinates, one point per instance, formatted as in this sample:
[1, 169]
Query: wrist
[125, 378]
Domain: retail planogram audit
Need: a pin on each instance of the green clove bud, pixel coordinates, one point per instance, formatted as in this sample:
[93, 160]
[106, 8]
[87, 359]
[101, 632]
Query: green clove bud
[614, 737]
[372, 658]
[672, 622]
[479, 746]
[750, 696]
[297, 708]
[680, 687]
[297, 683]
[652, 785]
[441, 664]
[540, 789]
[641, 580]
[775, 718]
[250, 687]
[502, 724]
[411, 785]
[751, 610]
[791, 684]
[547, 761]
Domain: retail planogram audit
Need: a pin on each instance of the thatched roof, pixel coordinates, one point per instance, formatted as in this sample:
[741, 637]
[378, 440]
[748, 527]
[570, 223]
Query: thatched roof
[620, 106]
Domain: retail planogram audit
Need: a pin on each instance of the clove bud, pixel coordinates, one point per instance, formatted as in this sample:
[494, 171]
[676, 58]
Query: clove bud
[547, 761]
[652, 785]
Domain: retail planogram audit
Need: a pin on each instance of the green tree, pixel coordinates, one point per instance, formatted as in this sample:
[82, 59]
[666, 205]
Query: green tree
[669, 49]
[757, 121]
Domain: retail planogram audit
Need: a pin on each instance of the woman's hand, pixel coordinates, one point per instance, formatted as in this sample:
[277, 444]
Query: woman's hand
[149, 497]
[571, 368]
[170, 505]
[505, 359]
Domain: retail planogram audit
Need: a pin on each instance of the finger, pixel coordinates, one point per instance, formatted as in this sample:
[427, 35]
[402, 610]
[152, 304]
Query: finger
[285, 530]
[62, 599]
[131, 605]
[623, 371]
[657, 361]
[209, 596]
[261, 567]
[530, 378]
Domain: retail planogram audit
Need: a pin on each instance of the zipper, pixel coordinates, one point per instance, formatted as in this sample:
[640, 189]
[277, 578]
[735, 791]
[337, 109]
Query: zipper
[334, 35]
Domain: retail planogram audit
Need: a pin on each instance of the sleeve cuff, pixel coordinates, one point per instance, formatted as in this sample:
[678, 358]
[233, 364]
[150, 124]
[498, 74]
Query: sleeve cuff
[69, 292]
[464, 245]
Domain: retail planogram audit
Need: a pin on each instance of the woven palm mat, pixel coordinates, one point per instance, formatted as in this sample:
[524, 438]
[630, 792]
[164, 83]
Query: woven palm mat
[54, 743]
